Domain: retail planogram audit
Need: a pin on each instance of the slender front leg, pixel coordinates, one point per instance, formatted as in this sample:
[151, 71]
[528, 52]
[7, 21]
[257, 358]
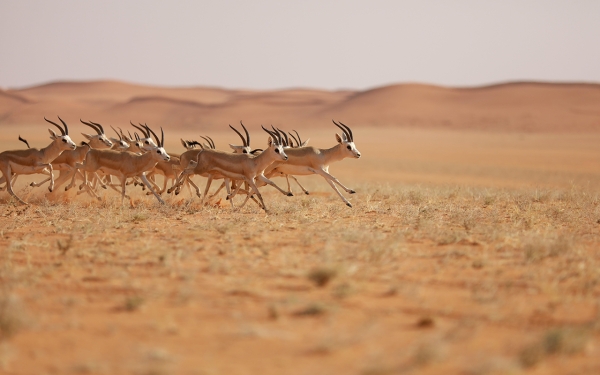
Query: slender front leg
[145, 180]
[338, 192]
[255, 189]
[262, 178]
[51, 187]
[331, 178]
[219, 189]
[208, 182]
[226, 182]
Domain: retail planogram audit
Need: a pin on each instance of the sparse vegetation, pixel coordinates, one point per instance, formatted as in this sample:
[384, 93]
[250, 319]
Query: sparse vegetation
[398, 274]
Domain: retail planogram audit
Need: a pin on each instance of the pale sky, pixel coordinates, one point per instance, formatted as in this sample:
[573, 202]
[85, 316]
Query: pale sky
[280, 44]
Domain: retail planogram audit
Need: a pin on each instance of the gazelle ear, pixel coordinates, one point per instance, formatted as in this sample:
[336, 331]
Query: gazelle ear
[235, 147]
[339, 139]
[87, 136]
[305, 143]
[270, 141]
[52, 134]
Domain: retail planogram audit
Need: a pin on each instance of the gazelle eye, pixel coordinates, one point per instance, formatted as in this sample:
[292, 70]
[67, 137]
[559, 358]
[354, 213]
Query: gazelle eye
[64, 140]
[245, 152]
[277, 150]
[158, 151]
[349, 148]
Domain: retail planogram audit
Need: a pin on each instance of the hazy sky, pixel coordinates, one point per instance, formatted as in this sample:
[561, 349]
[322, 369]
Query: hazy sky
[278, 44]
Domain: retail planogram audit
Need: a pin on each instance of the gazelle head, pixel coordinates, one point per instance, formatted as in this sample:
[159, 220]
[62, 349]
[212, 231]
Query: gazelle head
[99, 140]
[245, 149]
[275, 145]
[347, 141]
[63, 140]
[145, 143]
[159, 150]
[120, 143]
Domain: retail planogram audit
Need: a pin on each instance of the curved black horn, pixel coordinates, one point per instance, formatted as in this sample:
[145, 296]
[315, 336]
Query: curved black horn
[343, 129]
[91, 126]
[349, 131]
[62, 131]
[207, 140]
[212, 143]
[247, 134]
[287, 140]
[299, 139]
[154, 134]
[240, 134]
[98, 125]
[118, 135]
[65, 124]
[140, 129]
[270, 133]
[296, 139]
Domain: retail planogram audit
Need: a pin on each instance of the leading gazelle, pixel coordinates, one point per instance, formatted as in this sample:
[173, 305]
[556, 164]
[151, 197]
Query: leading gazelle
[312, 160]
[33, 160]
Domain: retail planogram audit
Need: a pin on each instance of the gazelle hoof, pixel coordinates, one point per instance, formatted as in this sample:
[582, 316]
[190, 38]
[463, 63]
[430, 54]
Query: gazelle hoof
[349, 205]
[32, 184]
[306, 192]
[352, 192]
[290, 194]
[50, 189]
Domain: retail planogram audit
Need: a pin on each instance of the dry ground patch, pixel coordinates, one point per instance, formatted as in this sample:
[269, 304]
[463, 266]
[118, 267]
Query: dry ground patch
[413, 279]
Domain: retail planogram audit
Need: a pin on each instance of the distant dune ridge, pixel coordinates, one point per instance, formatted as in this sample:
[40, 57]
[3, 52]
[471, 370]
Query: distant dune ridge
[517, 106]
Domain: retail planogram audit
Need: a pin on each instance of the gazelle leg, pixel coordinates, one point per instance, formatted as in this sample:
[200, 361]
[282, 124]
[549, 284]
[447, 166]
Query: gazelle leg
[223, 184]
[226, 182]
[262, 178]
[190, 182]
[253, 185]
[301, 187]
[145, 180]
[208, 182]
[331, 178]
[7, 177]
[338, 192]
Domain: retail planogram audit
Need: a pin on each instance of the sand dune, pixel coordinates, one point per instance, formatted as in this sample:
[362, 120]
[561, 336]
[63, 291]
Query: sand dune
[518, 106]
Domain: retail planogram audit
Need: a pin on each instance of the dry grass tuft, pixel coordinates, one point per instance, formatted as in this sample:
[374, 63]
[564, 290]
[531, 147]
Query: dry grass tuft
[11, 316]
[565, 341]
[321, 276]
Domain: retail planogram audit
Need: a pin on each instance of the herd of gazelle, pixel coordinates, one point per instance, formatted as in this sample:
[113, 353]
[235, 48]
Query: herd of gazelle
[131, 159]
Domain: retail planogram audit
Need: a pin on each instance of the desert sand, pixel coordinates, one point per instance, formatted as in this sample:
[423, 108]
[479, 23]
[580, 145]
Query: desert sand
[471, 247]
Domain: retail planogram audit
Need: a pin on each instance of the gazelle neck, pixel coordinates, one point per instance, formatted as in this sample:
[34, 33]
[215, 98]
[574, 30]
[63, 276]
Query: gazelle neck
[333, 154]
[265, 159]
[52, 151]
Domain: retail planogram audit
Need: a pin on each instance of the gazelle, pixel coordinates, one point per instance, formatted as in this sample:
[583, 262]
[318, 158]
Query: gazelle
[312, 160]
[33, 160]
[125, 164]
[191, 156]
[243, 167]
[290, 144]
[15, 176]
[65, 162]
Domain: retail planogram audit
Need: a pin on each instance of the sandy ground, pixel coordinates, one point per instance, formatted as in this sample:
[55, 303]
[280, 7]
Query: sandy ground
[466, 252]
